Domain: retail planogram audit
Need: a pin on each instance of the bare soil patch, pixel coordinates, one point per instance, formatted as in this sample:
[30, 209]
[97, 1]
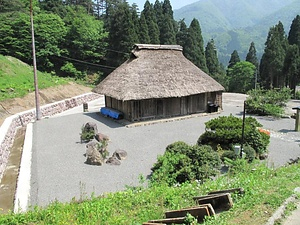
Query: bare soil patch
[12, 106]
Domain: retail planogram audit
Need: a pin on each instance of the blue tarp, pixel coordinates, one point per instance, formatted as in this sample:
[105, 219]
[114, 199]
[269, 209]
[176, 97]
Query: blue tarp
[111, 113]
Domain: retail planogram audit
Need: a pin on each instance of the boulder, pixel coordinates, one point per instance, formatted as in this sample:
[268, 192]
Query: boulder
[120, 154]
[101, 137]
[93, 156]
[113, 161]
[90, 127]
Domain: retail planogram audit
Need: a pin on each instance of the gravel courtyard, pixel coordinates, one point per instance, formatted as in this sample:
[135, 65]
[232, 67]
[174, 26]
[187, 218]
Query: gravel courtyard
[58, 168]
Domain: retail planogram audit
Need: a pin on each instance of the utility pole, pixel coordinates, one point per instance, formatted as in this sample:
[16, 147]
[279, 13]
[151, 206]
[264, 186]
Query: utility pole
[37, 100]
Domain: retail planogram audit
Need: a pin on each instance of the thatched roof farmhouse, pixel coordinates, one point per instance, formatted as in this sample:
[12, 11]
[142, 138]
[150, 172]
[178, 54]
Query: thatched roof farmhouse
[158, 81]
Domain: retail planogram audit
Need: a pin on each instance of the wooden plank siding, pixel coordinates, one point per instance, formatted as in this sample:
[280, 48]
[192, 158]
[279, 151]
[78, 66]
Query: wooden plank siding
[136, 110]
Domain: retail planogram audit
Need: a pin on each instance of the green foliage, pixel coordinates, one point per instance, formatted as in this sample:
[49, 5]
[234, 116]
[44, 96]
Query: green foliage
[241, 77]
[251, 55]
[182, 163]
[234, 58]
[265, 190]
[71, 71]
[194, 48]
[250, 153]
[273, 58]
[86, 134]
[227, 130]
[16, 78]
[267, 102]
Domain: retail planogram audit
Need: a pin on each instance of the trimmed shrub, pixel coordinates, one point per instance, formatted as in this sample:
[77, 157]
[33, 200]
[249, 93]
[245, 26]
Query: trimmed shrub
[227, 130]
[182, 162]
[267, 102]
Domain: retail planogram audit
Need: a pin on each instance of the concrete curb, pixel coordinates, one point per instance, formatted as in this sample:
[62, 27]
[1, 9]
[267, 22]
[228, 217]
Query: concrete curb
[279, 213]
[23, 184]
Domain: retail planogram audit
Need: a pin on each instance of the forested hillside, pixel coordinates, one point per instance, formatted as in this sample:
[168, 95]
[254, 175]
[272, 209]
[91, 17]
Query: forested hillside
[235, 24]
[79, 38]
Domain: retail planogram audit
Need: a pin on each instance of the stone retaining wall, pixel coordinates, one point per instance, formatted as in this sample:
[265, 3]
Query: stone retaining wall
[11, 124]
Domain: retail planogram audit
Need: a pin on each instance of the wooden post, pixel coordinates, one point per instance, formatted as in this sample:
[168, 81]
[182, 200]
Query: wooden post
[297, 124]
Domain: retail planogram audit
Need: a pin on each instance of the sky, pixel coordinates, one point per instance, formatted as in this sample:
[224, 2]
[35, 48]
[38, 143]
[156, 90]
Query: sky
[176, 4]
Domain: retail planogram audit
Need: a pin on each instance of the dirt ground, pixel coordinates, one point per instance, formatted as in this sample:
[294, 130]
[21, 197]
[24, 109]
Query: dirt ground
[49, 95]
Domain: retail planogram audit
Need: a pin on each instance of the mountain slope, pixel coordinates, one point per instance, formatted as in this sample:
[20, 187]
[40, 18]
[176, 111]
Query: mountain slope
[234, 24]
[229, 14]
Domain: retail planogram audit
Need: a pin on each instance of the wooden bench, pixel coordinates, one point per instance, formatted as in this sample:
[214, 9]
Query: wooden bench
[220, 202]
[199, 212]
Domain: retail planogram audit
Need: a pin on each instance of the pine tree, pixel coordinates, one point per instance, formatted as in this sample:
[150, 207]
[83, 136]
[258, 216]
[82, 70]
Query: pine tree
[211, 57]
[143, 34]
[165, 21]
[234, 58]
[153, 29]
[122, 35]
[294, 33]
[292, 66]
[273, 58]
[194, 49]
[251, 55]
[182, 34]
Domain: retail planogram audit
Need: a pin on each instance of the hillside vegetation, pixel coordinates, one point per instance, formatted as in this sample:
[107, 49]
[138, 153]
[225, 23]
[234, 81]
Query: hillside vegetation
[17, 80]
[235, 24]
[265, 190]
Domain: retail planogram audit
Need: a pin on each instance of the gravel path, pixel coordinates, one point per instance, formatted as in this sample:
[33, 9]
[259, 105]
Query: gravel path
[58, 168]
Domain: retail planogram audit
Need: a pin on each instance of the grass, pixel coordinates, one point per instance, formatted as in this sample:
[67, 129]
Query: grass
[17, 80]
[265, 190]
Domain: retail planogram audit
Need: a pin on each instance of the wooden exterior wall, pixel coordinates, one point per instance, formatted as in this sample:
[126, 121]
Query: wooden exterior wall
[136, 110]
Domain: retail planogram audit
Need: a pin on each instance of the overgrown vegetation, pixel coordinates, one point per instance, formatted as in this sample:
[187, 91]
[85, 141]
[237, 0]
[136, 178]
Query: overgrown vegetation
[182, 162]
[16, 78]
[224, 132]
[267, 102]
[265, 190]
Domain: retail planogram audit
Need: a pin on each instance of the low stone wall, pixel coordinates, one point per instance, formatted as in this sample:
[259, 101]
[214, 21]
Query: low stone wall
[11, 124]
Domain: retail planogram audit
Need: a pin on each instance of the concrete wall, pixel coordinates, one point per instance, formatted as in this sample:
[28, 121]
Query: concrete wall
[11, 124]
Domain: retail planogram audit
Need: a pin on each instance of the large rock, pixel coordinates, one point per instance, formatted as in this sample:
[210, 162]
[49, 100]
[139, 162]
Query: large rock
[120, 154]
[90, 127]
[113, 161]
[101, 137]
[93, 156]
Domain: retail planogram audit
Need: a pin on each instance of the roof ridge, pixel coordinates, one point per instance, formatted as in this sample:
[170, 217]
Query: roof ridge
[156, 47]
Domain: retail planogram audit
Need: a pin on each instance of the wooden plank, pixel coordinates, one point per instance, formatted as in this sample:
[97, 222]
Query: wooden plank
[199, 212]
[178, 220]
[220, 202]
[232, 190]
[210, 209]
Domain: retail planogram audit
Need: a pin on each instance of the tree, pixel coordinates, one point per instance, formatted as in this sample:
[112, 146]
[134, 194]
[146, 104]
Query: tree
[273, 58]
[294, 33]
[292, 66]
[122, 35]
[182, 34]
[194, 49]
[213, 65]
[85, 37]
[241, 77]
[143, 32]
[11, 6]
[211, 57]
[153, 29]
[251, 55]
[234, 58]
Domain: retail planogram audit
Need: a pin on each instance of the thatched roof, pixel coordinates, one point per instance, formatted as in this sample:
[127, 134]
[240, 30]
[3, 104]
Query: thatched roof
[156, 71]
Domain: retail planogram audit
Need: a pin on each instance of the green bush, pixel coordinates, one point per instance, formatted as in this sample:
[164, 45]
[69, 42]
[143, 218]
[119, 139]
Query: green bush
[267, 102]
[250, 153]
[227, 130]
[228, 154]
[182, 162]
